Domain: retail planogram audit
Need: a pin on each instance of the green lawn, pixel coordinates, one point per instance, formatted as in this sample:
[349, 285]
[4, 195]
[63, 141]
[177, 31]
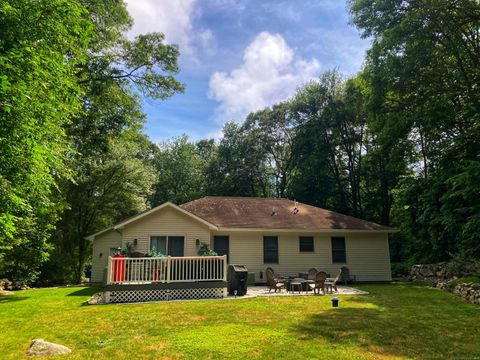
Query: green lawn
[398, 320]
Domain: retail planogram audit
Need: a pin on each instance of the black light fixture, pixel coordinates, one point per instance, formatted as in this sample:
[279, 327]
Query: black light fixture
[197, 242]
[100, 255]
[135, 242]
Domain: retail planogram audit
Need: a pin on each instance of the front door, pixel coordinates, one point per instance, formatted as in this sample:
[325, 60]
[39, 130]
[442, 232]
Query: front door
[221, 245]
[175, 245]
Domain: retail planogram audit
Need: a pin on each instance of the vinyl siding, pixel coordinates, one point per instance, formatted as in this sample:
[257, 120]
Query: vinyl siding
[102, 245]
[367, 255]
[166, 221]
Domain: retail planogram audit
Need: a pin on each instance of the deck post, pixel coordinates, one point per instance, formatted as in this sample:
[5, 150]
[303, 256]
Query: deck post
[169, 263]
[109, 271]
[224, 267]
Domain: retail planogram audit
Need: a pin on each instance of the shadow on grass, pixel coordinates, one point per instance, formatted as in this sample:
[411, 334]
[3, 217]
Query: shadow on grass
[87, 291]
[361, 327]
[11, 298]
[412, 323]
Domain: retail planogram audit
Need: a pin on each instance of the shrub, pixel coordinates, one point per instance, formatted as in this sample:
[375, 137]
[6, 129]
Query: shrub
[205, 250]
[400, 268]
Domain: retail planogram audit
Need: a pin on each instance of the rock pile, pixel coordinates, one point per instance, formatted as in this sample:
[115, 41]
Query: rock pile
[468, 291]
[429, 273]
[96, 299]
[5, 284]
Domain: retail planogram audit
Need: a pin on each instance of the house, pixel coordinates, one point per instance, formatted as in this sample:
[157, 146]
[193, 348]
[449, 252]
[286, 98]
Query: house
[288, 236]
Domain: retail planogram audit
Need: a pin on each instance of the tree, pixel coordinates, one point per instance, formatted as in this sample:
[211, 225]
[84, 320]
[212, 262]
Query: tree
[239, 167]
[116, 72]
[423, 71]
[329, 143]
[274, 131]
[42, 43]
[111, 186]
[181, 167]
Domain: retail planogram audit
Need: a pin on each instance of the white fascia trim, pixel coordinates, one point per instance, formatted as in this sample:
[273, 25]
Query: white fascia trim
[169, 204]
[92, 237]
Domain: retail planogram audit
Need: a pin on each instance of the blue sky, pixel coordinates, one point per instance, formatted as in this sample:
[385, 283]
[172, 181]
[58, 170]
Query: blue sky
[241, 56]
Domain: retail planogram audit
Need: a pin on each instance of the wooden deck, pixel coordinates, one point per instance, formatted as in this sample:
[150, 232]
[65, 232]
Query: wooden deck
[165, 278]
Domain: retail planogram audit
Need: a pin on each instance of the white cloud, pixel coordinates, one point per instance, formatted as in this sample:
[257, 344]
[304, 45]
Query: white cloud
[342, 48]
[270, 73]
[174, 18]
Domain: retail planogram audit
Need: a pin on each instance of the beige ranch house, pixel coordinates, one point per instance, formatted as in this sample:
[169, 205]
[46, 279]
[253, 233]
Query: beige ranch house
[288, 236]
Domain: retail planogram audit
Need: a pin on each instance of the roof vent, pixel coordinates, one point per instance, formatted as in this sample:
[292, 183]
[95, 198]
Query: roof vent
[274, 212]
[295, 209]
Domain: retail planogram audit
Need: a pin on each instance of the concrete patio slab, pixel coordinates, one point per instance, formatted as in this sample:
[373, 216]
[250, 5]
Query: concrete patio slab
[256, 291]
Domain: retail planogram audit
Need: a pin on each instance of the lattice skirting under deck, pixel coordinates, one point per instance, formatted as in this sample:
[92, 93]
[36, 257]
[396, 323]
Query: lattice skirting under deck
[162, 295]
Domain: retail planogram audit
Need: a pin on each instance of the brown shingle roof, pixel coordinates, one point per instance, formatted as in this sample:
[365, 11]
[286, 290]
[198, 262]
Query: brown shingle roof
[248, 212]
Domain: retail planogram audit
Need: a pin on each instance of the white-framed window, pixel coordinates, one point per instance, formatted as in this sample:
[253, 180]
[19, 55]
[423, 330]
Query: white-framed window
[168, 244]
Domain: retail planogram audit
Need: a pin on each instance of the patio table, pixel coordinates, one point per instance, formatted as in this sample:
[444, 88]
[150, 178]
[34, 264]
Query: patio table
[300, 284]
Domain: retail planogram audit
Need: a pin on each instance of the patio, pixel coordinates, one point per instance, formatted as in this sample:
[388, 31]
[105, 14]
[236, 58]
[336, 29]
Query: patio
[258, 291]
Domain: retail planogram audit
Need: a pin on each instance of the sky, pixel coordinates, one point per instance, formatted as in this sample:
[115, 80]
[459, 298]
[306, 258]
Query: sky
[242, 56]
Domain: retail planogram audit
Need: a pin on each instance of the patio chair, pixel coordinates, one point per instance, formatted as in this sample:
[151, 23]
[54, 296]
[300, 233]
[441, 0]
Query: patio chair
[312, 273]
[345, 273]
[332, 283]
[319, 283]
[273, 282]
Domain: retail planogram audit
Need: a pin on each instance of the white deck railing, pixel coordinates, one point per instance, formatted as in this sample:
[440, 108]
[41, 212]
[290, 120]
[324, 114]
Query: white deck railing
[125, 270]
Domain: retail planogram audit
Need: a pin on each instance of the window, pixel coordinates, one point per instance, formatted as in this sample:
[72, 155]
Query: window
[338, 250]
[159, 244]
[270, 249]
[306, 243]
[167, 245]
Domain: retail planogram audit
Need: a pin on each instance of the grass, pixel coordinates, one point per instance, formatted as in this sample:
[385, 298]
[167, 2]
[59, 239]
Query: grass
[466, 279]
[394, 321]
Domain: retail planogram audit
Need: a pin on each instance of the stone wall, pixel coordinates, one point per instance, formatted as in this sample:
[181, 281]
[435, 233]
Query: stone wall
[468, 291]
[439, 275]
[429, 273]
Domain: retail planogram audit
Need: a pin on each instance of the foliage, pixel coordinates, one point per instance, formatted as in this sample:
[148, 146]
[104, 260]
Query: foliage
[273, 130]
[113, 159]
[422, 70]
[42, 43]
[204, 250]
[181, 167]
[111, 185]
[239, 167]
[156, 253]
[128, 249]
[397, 144]
[400, 268]
[462, 265]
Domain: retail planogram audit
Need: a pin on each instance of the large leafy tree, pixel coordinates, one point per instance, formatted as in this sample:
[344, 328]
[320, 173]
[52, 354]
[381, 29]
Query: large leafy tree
[330, 143]
[239, 166]
[108, 187]
[110, 148]
[42, 44]
[274, 131]
[181, 167]
[423, 71]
